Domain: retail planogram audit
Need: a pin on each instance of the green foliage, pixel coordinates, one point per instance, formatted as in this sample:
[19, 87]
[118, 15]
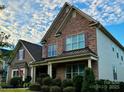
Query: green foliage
[40, 78]
[69, 89]
[67, 82]
[35, 87]
[55, 89]
[16, 81]
[45, 88]
[26, 84]
[3, 84]
[27, 79]
[88, 80]
[78, 83]
[121, 85]
[56, 82]
[47, 81]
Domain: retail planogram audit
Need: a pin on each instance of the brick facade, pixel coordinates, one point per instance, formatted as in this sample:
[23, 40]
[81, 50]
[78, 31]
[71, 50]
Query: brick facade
[75, 25]
[21, 64]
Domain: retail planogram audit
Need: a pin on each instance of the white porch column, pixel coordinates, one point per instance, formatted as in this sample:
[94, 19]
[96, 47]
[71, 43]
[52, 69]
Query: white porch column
[33, 74]
[89, 63]
[49, 70]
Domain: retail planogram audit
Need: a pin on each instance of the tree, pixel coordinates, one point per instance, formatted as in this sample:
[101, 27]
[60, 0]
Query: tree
[88, 80]
[2, 7]
[3, 43]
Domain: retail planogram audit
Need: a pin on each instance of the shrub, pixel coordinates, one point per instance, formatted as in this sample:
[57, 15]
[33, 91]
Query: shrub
[40, 78]
[26, 84]
[69, 89]
[45, 88]
[67, 82]
[121, 85]
[35, 87]
[55, 89]
[4, 85]
[88, 80]
[56, 82]
[16, 81]
[78, 83]
[104, 85]
[47, 81]
[27, 79]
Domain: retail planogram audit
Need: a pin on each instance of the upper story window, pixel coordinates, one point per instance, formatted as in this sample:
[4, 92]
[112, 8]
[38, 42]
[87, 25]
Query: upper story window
[75, 42]
[52, 50]
[21, 54]
[122, 58]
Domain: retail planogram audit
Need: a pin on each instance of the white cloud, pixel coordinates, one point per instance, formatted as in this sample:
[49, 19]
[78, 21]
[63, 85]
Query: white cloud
[30, 19]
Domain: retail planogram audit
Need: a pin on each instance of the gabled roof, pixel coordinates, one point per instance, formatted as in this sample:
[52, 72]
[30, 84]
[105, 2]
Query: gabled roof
[93, 23]
[34, 50]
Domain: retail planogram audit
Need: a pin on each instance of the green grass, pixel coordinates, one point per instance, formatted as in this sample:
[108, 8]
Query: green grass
[15, 90]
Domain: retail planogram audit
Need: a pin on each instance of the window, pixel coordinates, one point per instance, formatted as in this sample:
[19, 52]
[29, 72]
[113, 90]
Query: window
[15, 73]
[52, 50]
[121, 58]
[21, 54]
[74, 70]
[114, 73]
[117, 55]
[75, 42]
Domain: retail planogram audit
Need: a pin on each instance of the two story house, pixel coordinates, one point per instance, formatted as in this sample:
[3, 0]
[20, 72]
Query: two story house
[24, 54]
[75, 41]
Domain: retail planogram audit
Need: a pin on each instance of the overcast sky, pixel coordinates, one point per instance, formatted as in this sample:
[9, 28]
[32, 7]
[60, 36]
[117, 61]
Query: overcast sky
[30, 19]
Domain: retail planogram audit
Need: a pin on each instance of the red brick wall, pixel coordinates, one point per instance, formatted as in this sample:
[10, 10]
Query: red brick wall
[75, 25]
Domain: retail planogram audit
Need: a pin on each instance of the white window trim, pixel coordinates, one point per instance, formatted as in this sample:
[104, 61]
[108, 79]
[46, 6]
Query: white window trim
[51, 51]
[21, 56]
[23, 69]
[83, 35]
[71, 70]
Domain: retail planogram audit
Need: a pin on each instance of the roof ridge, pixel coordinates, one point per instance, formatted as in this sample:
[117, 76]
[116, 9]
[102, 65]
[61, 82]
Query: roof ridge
[28, 42]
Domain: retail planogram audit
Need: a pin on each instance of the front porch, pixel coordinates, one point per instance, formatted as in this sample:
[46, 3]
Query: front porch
[58, 68]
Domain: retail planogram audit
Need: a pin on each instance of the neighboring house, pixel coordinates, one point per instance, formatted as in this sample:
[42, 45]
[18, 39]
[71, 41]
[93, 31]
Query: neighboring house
[3, 63]
[75, 41]
[24, 53]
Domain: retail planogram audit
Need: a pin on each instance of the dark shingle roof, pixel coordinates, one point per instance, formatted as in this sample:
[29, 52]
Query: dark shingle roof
[34, 49]
[84, 51]
[78, 51]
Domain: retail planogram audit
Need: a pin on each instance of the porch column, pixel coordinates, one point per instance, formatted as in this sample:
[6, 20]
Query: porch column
[33, 74]
[89, 63]
[50, 70]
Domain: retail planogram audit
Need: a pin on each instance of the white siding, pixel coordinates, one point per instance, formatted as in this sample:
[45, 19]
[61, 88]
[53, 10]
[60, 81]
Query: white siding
[108, 58]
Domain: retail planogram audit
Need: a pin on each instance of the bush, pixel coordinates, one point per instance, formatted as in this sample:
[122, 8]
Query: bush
[121, 85]
[56, 82]
[4, 85]
[78, 83]
[55, 89]
[88, 80]
[45, 88]
[16, 81]
[69, 89]
[26, 84]
[47, 81]
[67, 82]
[27, 79]
[40, 78]
[35, 87]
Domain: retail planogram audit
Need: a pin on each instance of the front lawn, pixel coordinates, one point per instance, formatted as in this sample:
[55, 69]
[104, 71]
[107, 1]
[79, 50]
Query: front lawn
[15, 90]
